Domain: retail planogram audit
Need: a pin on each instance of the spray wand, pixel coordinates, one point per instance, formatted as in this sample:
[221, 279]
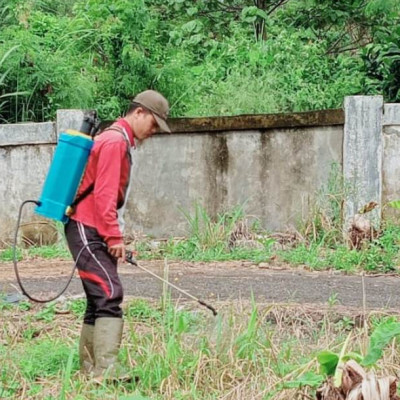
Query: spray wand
[131, 260]
[128, 258]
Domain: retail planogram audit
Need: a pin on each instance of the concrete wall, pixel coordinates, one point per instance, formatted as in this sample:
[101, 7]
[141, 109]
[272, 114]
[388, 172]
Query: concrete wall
[26, 151]
[371, 151]
[273, 165]
[275, 174]
[362, 154]
[391, 158]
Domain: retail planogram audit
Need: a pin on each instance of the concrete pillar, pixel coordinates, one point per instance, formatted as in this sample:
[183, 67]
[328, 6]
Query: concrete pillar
[391, 164]
[362, 155]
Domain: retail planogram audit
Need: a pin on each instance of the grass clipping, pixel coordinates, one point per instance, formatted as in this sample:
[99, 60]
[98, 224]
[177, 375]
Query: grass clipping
[359, 385]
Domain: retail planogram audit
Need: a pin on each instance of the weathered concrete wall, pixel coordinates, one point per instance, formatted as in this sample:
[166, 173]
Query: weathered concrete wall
[26, 151]
[274, 174]
[362, 154]
[273, 165]
[391, 158]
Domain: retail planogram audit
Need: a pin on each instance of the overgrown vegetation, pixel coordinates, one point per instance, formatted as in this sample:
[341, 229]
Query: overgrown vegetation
[318, 244]
[248, 351]
[208, 57]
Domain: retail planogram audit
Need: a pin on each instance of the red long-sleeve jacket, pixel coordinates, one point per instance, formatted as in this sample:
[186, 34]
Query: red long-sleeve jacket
[108, 168]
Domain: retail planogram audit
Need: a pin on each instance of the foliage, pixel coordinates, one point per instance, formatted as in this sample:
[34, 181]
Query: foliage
[331, 363]
[209, 239]
[208, 57]
[3, 94]
[179, 352]
[382, 335]
[382, 255]
[382, 65]
[208, 233]
[58, 250]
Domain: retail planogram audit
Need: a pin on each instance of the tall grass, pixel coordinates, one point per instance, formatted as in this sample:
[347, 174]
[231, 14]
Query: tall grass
[208, 232]
[3, 75]
[249, 352]
[210, 239]
[318, 244]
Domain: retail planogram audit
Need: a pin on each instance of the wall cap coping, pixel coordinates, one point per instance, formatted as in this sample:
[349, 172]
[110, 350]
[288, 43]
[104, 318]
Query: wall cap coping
[27, 133]
[253, 122]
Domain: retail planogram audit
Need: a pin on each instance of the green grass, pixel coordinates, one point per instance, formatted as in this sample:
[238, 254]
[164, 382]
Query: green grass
[380, 256]
[58, 250]
[189, 250]
[179, 352]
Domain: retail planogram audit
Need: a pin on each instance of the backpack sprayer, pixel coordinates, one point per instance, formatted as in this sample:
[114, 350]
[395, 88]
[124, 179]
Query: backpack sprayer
[58, 198]
[60, 188]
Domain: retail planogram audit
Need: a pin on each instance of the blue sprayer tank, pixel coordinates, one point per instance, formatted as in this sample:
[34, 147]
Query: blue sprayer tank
[65, 174]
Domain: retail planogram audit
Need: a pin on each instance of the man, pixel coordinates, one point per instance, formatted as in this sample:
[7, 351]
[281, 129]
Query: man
[97, 218]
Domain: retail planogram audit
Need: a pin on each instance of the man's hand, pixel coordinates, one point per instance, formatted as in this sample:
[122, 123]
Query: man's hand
[117, 251]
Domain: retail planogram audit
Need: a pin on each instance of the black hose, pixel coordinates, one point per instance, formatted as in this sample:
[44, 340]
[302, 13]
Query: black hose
[15, 261]
[129, 258]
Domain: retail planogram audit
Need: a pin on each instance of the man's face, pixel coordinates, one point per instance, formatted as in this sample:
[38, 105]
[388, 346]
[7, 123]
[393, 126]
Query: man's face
[145, 124]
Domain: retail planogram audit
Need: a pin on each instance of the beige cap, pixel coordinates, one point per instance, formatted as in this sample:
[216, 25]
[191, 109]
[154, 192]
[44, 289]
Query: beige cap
[157, 104]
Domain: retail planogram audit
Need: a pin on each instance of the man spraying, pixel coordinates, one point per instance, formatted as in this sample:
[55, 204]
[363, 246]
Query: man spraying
[98, 218]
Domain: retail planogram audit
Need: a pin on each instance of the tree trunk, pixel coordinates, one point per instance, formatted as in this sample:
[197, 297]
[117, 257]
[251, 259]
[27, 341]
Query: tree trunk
[260, 31]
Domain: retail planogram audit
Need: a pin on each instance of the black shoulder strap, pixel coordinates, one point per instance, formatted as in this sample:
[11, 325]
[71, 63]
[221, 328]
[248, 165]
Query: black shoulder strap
[83, 195]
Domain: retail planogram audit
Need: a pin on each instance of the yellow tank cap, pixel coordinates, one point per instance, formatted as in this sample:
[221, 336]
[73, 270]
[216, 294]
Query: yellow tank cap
[72, 132]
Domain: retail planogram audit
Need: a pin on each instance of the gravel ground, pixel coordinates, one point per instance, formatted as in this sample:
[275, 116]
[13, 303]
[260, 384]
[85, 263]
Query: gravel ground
[228, 281]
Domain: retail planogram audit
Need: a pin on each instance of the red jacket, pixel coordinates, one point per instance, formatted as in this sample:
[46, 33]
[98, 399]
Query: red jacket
[108, 167]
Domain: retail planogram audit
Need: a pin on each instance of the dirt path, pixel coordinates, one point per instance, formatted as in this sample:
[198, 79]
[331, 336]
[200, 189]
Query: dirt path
[220, 281]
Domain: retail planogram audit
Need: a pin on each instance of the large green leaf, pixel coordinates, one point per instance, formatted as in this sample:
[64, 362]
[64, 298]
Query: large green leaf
[328, 362]
[308, 379]
[380, 338]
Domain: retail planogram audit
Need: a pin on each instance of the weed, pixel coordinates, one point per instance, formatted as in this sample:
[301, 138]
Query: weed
[210, 239]
[7, 254]
[43, 358]
[213, 239]
[382, 255]
[247, 351]
[67, 375]
[325, 221]
[333, 299]
[52, 251]
[4, 305]
[47, 313]
[24, 305]
[207, 233]
[140, 310]
[78, 307]
[323, 247]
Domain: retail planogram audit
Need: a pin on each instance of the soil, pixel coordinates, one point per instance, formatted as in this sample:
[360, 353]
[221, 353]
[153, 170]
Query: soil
[222, 281]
